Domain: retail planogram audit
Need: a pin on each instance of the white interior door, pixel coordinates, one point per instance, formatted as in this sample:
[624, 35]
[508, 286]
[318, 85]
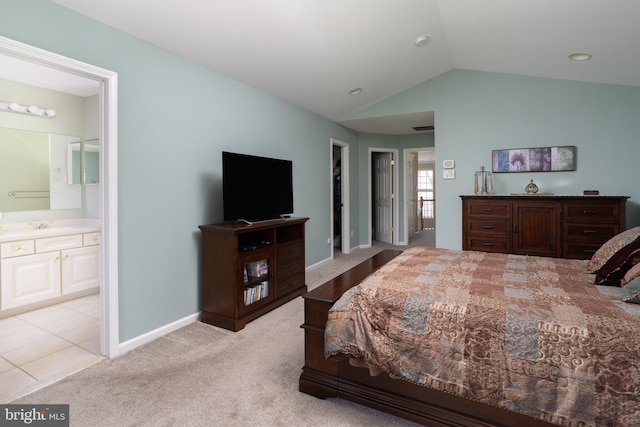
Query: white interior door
[383, 196]
[411, 195]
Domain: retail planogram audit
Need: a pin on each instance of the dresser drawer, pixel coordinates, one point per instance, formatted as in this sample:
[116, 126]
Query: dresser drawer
[290, 284]
[588, 212]
[594, 233]
[290, 251]
[580, 250]
[285, 269]
[17, 248]
[488, 209]
[488, 244]
[492, 227]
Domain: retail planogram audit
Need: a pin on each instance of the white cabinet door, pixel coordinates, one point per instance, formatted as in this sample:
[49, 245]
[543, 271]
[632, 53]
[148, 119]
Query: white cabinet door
[80, 269]
[29, 279]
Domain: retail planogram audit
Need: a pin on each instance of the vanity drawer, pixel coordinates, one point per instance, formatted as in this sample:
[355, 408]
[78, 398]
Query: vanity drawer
[49, 244]
[91, 239]
[17, 248]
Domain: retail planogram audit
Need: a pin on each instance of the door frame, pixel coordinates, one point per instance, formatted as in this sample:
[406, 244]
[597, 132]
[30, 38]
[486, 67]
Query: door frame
[394, 186]
[405, 152]
[406, 155]
[108, 192]
[345, 232]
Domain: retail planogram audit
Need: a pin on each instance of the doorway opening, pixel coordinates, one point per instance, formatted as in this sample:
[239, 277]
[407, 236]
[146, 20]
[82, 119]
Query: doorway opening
[420, 195]
[383, 203]
[107, 190]
[339, 187]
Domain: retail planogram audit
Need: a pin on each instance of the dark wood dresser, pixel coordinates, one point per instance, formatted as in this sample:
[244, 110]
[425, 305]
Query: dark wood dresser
[544, 225]
[248, 270]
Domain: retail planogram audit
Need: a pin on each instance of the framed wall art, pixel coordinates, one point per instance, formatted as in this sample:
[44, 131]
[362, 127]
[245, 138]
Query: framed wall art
[537, 159]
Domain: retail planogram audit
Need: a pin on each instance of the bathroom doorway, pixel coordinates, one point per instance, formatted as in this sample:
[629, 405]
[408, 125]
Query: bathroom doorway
[105, 194]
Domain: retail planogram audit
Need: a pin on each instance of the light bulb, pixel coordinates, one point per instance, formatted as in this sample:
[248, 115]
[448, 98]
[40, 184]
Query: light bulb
[32, 109]
[13, 106]
[49, 113]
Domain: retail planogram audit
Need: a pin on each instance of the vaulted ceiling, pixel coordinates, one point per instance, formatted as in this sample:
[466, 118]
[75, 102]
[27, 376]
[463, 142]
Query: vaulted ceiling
[313, 52]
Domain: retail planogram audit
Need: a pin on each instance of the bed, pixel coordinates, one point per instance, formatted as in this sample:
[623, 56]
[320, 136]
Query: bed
[465, 338]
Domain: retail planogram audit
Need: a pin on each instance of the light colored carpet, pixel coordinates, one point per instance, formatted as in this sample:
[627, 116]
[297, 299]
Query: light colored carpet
[202, 375]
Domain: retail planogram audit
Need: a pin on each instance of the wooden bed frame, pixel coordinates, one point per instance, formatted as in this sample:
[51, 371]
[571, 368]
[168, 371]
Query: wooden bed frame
[324, 378]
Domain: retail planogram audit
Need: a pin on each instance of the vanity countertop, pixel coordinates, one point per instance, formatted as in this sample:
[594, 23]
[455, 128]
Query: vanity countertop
[30, 230]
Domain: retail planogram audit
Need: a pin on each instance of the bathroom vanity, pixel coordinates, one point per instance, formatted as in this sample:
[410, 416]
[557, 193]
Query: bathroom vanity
[47, 263]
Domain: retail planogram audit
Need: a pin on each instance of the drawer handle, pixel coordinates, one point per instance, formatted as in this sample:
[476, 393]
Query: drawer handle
[488, 210]
[589, 251]
[488, 227]
[291, 268]
[487, 244]
[589, 231]
[589, 212]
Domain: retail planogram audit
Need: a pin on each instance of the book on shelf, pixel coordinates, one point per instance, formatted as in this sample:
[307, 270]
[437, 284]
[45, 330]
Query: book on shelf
[256, 292]
[257, 268]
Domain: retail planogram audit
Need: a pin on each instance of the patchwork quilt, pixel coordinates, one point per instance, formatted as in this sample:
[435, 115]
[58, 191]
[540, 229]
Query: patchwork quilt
[529, 334]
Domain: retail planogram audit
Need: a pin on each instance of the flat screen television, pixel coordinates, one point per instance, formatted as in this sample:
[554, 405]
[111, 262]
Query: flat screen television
[256, 188]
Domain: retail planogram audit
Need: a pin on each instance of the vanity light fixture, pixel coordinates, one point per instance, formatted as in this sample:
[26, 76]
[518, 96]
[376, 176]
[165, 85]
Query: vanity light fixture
[355, 91]
[32, 110]
[580, 56]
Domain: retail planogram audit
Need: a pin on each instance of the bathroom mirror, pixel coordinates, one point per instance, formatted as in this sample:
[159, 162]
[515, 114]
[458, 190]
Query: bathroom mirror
[33, 169]
[82, 162]
[91, 162]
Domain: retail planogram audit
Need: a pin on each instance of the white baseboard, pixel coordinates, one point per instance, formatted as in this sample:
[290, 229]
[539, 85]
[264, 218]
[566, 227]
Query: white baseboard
[318, 264]
[156, 333]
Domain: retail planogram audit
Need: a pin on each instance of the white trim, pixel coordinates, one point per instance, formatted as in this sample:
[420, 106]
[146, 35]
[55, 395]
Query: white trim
[406, 216]
[157, 333]
[318, 264]
[345, 233]
[108, 175]
[396, 198]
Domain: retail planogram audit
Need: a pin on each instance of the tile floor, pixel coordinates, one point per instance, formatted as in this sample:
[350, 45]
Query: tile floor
[45, 345]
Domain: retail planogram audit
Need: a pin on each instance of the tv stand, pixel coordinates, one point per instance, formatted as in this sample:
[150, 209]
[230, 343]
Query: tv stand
[248, 269]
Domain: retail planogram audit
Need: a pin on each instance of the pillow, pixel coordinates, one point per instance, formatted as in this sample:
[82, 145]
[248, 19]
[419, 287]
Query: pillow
[612, 246]
[631, 274]
[632, 291]
[613, 271]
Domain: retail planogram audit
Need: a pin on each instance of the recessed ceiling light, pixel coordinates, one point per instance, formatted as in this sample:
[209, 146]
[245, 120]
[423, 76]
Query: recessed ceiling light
[422, 40]
[355, 91]
[579, 56]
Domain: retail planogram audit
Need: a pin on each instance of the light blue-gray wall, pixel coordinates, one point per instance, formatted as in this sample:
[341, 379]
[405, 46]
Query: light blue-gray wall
[174, 119]
[476, 112]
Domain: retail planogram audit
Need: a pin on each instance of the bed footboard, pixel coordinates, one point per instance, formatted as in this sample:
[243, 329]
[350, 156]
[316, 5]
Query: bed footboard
[324, 378]
[320, 376]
